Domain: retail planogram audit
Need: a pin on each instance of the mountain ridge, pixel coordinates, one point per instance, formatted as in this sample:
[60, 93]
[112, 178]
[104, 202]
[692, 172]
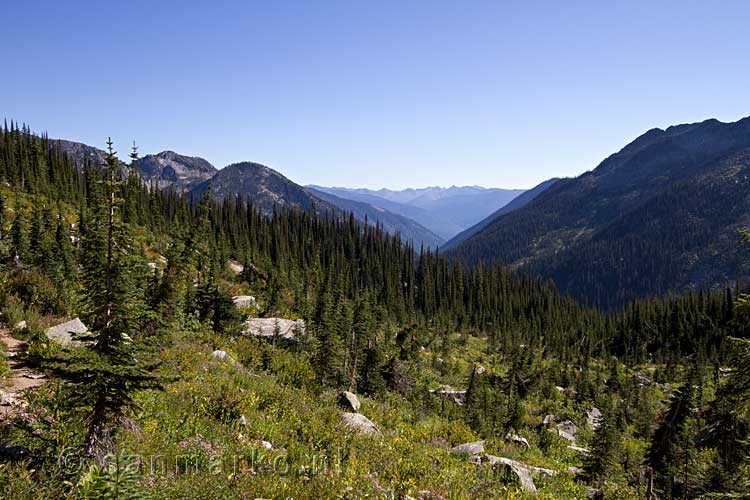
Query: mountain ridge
[444, 211]
[566, 233]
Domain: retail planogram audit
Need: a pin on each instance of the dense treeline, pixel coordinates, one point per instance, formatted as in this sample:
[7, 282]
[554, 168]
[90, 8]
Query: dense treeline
[330, 255]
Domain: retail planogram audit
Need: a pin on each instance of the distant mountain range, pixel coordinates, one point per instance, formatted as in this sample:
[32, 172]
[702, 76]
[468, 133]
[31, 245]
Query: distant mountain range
[444, 211]
[662, 214]
[516, 203]
[265, 186]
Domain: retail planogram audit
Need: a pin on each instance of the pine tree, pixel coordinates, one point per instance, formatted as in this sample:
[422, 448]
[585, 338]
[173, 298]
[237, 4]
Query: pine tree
[670, 447]
[728, 426]
[105, 374]
[604, 445]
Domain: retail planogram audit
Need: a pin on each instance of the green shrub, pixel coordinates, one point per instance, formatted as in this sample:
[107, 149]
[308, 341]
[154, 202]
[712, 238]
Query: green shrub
[13, 311]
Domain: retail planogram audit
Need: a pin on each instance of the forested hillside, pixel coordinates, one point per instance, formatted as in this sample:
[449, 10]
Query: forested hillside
[475, 382]
[661, 215]
[519, 201]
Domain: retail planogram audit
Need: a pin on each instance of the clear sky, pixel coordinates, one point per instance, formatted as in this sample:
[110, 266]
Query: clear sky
[375, 94]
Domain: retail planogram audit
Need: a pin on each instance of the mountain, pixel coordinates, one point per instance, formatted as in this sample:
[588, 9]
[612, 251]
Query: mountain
[265, 186]
[171, 169]
[444, 211]
[166, 168]
[268, 189]
[391, 222]
[516, 203]
[660, 215]
[80, 153]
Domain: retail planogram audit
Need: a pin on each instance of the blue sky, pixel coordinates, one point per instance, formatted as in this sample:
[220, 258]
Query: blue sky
[376, 94]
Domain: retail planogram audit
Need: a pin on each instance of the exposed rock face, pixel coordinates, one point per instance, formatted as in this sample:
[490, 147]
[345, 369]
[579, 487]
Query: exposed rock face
[567, 430]
[283, 329]
[474, 448]
[593, 417]
[63, 333]
[361, 424]
[349, 401]
[171, 169]
[245, 301]
[80, 154]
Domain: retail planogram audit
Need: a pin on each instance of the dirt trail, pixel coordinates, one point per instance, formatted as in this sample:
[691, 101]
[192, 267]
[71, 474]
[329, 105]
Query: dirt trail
[22, 378]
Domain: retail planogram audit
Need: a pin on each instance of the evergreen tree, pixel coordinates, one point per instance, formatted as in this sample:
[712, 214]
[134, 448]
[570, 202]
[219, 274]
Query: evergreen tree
[605, 445]
[669, 452]
[105, 374]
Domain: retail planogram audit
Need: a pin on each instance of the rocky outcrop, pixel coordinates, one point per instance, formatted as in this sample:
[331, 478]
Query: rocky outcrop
[221, 356]
[593, 417]
[474, 448]
[447, 392]
[64, 333]
[567, 430]
[522, 471]
[285, 330]
[169, 169]
[513, 438]
[349, 401]
[245, 302]
[235, 266]
[361, 424]
[582, 451]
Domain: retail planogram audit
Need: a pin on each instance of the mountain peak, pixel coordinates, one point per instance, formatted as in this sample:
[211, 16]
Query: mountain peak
[172, 169]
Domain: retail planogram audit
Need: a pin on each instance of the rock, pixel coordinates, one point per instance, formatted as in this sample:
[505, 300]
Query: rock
[243, 421]
[576, 471]
[567, 430]
[474, 448]
[518, 440]
[21, 325]
[221, 356]
[64, 332]
[641, 380]
[479, 369]
[565, 435]
[451, 394]
[582, 451]
[550, 419]
[520, 470]
[349, 401]
[288, 330]
[245, 301]
[559, 388]
[593, 417]
[235, 266]
[266, 445]
[592, 492]
[361, 424]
